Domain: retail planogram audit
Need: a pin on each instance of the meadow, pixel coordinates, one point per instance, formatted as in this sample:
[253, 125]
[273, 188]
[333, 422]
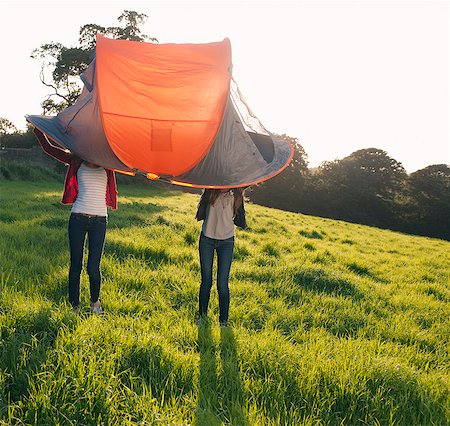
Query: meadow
[331, 323]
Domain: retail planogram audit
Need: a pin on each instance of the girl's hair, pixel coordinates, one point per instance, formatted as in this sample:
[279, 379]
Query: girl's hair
[238, 197]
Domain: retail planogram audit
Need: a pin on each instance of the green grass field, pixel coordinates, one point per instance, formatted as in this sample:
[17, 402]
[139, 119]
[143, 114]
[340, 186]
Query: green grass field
[331, 323]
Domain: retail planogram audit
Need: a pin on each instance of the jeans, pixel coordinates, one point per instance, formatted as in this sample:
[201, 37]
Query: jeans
[224, 250]
[95, 228]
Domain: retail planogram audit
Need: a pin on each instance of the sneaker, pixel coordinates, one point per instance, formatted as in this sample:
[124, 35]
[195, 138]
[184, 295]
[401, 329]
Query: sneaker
[223, 324]
[201, 321]
[96, 308]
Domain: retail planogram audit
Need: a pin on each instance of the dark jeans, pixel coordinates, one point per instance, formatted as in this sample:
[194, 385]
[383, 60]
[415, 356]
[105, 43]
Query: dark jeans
[95, 228]
[224, 250]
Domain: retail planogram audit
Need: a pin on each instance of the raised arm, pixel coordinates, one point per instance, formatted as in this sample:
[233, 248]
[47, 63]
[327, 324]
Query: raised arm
[55, 152]
[201, 208]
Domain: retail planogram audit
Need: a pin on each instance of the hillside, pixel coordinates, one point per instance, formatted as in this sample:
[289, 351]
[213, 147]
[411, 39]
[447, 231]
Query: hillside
[331, 322]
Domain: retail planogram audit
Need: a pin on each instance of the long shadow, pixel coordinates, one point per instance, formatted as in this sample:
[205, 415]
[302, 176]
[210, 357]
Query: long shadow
[208, 401]
[322, 283]
[150, 366]
[233, 402]
[384, 387]
[24, 349]
[122, 251]
[364, 271]
[134, 214]
[57, 290]
[221, 399]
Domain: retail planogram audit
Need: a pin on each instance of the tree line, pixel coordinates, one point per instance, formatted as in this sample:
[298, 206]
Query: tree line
[366, 187]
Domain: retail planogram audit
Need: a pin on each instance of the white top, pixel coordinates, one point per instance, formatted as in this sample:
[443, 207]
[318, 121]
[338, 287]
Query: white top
[218, 223]
[91, 197]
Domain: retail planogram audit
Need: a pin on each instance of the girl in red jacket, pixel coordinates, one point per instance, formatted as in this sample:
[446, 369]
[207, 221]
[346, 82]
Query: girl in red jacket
[90, 189]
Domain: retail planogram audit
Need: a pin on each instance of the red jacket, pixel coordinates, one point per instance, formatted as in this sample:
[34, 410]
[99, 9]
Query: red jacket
[71, 182]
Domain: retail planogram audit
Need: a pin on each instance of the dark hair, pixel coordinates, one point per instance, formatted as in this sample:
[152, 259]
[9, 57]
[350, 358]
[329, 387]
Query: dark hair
[238, 193]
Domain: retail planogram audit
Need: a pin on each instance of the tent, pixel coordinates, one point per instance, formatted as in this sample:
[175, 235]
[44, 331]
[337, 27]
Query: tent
[170, 111]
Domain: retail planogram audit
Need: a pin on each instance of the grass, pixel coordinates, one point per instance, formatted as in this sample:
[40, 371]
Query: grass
[331, 323]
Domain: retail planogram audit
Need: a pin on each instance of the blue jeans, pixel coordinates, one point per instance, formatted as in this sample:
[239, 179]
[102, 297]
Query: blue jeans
[95, 228]
[224, 250]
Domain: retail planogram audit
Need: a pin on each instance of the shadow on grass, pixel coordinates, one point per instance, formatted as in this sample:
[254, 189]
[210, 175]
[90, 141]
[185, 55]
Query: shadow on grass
[24, 349]
[260, 275]
[220, 398]
[157, 378]
[134, 214]
[364, 271]
[57, 290]
[121, 251]
[207, 412]
[319, 282]
[389, 395]
[233, 395]
[311, 234]
[54, 222]
[149, 369]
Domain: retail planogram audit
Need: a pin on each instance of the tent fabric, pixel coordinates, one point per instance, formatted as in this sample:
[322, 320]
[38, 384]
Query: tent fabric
[244, 157]
[170, 111]
[79, 127]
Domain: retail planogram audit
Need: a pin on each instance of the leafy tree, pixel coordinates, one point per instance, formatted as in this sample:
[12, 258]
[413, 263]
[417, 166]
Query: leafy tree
[61, 65]
[13, 138]
[429, 201]
[286, 189]
[374, 170]
[431, 183]
[6, 127]
[361, 187]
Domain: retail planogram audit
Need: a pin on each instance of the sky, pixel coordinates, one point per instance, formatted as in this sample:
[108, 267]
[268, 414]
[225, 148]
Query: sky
[337, 75]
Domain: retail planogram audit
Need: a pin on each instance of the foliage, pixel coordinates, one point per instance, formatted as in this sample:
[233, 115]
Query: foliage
[18, 139]
[6, 127]
[331, 323]
[361, 187]
[378, 174]
[367, 187]
[61, 65]
[279, 191]
[428, 202]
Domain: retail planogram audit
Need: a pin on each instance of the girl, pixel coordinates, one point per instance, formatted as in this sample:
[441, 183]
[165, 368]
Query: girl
[90, 189]
[220, 210]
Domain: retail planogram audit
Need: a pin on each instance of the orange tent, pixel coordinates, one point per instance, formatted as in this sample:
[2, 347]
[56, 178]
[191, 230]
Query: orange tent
[171, 111]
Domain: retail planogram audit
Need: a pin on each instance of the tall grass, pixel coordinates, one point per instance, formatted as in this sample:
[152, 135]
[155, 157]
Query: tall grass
[331, 323]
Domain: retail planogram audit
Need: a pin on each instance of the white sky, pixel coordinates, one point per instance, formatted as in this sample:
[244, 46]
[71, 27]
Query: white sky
[338, 75]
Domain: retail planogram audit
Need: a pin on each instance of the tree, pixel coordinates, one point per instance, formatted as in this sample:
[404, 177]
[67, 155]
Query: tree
[431, 183]
[360, 188]
[429, 201]
[285, 190]
[374, 170]
[61, 65]
[11, 137]
[6, 127]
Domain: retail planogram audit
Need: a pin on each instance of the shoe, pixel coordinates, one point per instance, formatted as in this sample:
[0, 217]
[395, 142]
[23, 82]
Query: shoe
[201, 321]
[223, 324]
[96, 308]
